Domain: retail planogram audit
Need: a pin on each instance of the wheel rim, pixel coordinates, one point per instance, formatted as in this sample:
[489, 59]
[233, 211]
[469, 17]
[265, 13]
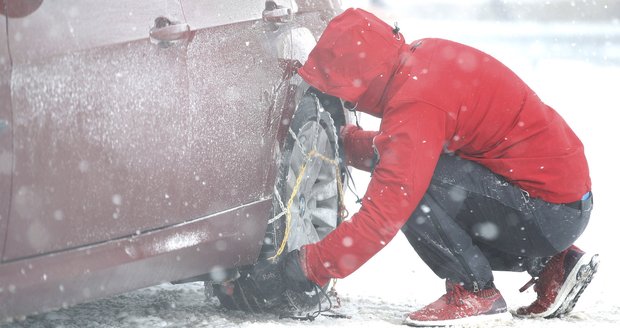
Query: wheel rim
[315, 206]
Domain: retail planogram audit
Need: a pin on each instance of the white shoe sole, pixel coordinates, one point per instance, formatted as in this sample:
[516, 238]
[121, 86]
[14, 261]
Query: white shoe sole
[576, 282]
[493, 320]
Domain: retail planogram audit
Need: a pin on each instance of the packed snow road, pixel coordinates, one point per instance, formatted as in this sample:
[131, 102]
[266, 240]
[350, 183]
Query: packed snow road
[379, 295]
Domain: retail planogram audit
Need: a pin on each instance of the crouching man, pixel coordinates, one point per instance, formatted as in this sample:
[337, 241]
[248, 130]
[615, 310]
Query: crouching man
[477, 172]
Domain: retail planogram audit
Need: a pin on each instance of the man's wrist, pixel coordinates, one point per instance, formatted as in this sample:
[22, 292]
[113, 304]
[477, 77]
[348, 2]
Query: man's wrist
[294, 272]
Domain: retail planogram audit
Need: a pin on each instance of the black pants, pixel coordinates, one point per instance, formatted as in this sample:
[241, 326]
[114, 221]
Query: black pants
[472, 221]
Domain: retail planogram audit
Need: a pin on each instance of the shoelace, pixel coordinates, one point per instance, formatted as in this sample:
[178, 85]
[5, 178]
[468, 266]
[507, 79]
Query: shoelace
[456, 295]
[528, 284]
[535, 281]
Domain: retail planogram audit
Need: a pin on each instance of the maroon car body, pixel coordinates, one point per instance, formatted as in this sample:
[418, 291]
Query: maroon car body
[138, 139]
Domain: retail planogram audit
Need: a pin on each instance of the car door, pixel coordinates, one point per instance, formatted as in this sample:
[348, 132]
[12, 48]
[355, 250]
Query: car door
[100, 122]
[6, 143]
[238, 86]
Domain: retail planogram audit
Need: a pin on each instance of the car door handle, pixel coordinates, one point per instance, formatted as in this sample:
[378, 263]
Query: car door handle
[166, 31]
[274, 13]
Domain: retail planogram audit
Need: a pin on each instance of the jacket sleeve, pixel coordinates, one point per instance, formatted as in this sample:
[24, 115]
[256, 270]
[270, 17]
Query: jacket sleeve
[409, 143]
[358, 147]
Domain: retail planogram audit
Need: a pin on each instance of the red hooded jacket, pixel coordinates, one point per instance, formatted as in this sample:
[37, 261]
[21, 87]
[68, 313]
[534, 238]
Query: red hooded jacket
[433, 96]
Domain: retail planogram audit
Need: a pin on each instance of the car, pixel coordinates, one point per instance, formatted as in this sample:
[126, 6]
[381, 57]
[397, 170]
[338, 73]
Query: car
[155, 141]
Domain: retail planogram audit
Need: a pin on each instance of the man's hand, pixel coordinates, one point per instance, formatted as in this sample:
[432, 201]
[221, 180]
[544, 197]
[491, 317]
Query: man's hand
[358, 147]
[294, 275]
[272, 279]
[347, 129]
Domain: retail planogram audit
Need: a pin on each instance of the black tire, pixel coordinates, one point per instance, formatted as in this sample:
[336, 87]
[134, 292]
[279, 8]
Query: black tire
[315, 210]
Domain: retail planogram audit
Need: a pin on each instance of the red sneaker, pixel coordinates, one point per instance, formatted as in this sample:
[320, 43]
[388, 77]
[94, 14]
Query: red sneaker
[560, 284]
[460, 306]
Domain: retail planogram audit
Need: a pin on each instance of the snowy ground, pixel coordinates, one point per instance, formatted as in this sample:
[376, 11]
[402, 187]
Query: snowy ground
[574, 68]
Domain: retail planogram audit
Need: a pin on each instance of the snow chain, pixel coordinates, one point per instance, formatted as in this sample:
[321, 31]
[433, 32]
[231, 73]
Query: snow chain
[302, 170]
[342, 211]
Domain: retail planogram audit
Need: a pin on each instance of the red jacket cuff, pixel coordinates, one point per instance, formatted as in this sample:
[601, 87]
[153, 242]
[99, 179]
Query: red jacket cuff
[307, 268]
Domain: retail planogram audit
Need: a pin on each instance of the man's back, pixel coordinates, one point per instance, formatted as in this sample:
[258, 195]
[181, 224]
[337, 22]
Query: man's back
[495, 119]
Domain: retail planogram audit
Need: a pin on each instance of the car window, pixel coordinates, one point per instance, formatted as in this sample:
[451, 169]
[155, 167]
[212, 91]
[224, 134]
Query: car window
[209, 13]
[6, 151]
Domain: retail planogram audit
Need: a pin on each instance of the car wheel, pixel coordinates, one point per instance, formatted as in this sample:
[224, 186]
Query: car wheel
[309, 186]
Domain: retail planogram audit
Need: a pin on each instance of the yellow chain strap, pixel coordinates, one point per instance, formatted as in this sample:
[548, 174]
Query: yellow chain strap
[302, 170]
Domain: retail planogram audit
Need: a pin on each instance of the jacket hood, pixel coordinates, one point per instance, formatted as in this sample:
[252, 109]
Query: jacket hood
[354, 59]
